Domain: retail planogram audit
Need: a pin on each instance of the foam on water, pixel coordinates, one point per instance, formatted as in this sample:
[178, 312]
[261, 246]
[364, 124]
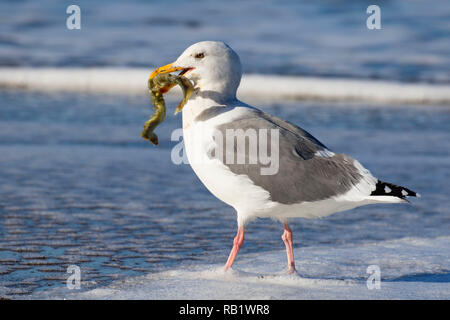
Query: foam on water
[253, 86]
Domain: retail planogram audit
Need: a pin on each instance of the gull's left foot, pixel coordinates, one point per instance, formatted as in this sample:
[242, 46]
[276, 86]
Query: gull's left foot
[292, 270]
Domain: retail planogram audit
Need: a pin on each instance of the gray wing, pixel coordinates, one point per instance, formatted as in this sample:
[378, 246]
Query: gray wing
[303, 174]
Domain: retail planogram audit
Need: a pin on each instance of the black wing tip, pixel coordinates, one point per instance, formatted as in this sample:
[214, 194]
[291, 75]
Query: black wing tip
[390, 189]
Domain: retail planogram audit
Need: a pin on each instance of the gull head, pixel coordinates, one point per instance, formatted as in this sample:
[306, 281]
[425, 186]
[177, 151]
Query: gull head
[213, 67]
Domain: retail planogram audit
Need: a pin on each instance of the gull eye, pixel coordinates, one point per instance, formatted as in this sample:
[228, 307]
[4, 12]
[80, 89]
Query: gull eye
[200, 55]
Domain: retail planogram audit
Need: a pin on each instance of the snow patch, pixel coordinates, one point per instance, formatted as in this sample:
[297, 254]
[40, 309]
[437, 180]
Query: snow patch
[411, 268]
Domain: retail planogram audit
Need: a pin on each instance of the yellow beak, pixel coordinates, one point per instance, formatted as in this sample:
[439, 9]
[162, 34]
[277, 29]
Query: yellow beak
[165, 69]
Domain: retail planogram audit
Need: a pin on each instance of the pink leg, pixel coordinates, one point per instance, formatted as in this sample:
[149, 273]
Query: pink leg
[287, 239]
[237, 244]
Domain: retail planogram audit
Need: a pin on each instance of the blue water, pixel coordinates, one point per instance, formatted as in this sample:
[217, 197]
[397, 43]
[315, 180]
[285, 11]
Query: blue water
[80, 186]
[314, 38]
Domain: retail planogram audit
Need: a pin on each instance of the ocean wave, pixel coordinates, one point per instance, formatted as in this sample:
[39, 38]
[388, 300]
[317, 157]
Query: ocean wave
[269, 88]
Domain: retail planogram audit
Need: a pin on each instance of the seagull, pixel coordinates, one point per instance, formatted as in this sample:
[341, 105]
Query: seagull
[302, 178]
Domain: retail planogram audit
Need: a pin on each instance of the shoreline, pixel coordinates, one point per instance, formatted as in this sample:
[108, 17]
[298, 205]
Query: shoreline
[270, 88]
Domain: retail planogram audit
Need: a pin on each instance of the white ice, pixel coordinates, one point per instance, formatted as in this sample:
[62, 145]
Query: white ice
[411, 268]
